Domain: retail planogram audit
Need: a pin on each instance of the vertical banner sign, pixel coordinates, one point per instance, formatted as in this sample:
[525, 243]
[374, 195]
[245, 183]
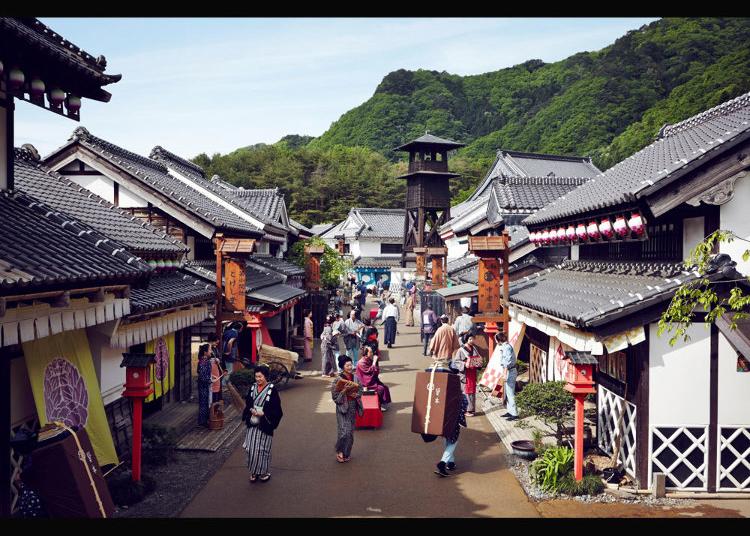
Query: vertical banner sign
[65, 388]
[489, 285]
[235, 278]
[162, 373]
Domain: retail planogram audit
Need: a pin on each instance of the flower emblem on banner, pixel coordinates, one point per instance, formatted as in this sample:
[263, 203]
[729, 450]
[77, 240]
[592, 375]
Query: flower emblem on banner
[65, 396]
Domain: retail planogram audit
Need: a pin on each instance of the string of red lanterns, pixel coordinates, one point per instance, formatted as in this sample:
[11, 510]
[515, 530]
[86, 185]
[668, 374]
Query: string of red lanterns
[604, 230]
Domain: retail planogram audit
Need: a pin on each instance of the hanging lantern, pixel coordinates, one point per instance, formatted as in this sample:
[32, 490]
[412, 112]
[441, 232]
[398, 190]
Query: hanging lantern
[581, 232]
[56, 96]
[620, 227]
[552, 236]
[561, 235]
[152, 263]
[570, 233]
[37, 87]
[532, 237]
[160, 264]
[545, 237]
[605, 228]
[16, 79]
[636, 224]
[1, 68]
[73, 103]
[593, 231]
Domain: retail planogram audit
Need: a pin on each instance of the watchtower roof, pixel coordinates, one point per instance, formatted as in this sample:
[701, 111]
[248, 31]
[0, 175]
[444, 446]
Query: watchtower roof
[428, 140]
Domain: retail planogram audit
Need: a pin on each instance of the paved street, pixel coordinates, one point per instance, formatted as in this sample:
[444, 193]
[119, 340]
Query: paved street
[391, 472]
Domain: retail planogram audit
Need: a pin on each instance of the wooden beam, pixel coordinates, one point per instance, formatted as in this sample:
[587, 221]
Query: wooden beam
[701, 179]
[713, 390]
[3, 305]
[62, 301]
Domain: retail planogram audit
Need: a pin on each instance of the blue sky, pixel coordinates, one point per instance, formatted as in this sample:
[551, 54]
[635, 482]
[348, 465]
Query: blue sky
[213, 85]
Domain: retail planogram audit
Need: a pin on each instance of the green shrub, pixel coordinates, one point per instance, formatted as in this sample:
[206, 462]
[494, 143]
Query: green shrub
[551, 403]
[243, 379]
[589, 485]
[547, 470]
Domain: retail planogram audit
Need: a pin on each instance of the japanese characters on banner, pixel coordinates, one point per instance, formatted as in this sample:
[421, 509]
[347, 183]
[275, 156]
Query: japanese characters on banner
[557, 365]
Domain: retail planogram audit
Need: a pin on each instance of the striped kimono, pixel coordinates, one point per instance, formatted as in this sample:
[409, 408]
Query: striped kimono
[259, 436]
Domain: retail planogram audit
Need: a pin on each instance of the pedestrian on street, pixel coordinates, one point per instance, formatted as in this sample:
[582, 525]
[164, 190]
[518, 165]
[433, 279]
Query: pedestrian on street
[390, 320]
[262, 416]
[338, 335]
[409, 305]
[429, 325]
[204, 384]
[327, 357]
[369, 338]
[509, 372]
[353, 328]
[448, 460]
[308, 336]
[217, 377]
[444, 343]
[467, 362]
[368, 374]
[229, 348]
[463, 323]
[346, 392]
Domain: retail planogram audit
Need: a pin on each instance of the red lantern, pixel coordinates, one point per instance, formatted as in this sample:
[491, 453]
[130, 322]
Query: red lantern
[552, 236]
[37, 87]
[545, 237]
[73, 103]
[621, 227]
[56, 96]
[16, 78]
[636, 224]
[570, 233]
[581, 232]
[561, 235]
[605, 228]
[593, 231]
[532, 237]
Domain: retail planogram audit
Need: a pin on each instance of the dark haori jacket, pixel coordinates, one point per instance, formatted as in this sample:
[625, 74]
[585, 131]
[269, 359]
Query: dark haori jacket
[272, 412]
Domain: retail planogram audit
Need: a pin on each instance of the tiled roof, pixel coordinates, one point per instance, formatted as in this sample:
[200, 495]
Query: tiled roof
[680, 148]
[528, 194]
[589, 293]
[276, 294]
[377, 262]
[430, 139]
[462, 263]
[321, 228]
[171, 289]
[297, 225]
[63, 194]
[156, 176]
[376, 223]
[281, 266]
[520, 164]
[44, 40]
[41, 247]
[455, 290]
[263, 204]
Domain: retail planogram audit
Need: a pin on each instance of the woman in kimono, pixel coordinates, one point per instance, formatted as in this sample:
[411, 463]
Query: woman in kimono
[262, 415]
[328, 365]
[409, 309]
[369, 337]
[368, 374]
[217, 374]
[467, 361]
[308, 336]
[346, 392]
[204, 384]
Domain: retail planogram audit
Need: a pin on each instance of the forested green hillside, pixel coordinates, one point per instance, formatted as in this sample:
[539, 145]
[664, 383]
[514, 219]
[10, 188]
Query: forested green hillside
[606, 104]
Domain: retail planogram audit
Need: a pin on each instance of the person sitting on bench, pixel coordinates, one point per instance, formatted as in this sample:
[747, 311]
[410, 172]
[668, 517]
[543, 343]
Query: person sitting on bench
[368, 373]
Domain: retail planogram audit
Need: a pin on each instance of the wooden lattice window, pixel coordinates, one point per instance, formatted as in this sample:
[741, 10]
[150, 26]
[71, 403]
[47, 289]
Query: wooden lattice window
[734, 458]
[537, 364]
[614, 410]
[681, 454]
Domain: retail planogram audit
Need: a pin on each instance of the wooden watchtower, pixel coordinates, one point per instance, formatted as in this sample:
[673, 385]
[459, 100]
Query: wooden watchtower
[428, 198]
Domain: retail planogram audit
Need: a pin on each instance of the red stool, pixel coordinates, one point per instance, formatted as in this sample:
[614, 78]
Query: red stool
[373, 314]
[372, 417]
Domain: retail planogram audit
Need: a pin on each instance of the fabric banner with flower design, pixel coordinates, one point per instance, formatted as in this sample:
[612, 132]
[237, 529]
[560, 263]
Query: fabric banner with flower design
[65, 388]
[162, 373]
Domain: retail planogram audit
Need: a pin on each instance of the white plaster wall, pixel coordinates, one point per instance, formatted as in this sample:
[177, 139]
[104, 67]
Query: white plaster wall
[734, 387]
[99, 184]
[734, 217]
[355, 249]
[21, 398]
[128, 199]
[370, 248]
[107, 365]
[574, 252]
[455, 248]
[679, 378]
[191, 245]
[693, 233]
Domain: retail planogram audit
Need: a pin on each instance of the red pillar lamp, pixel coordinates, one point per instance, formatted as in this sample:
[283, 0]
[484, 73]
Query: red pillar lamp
[137, 388]
[580, 382]
[254, 324]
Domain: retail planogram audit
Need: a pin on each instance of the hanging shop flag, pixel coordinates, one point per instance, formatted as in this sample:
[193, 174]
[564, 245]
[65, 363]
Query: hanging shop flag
[162, 373]
[65, 388]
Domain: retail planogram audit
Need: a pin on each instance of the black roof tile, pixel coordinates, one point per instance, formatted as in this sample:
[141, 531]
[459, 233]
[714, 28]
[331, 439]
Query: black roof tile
[281, 266]
[171, 289]
[679, 148]
[63, 194]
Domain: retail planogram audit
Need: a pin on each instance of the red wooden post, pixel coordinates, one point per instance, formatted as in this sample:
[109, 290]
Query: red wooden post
[254, 324]
[578, 464]
[137, 426]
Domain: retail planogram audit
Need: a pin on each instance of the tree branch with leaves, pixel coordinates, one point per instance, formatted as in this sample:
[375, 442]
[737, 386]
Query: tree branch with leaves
[701, 294]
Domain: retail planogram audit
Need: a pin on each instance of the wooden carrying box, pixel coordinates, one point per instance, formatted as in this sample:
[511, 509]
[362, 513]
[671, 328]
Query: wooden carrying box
[372, 416]
[59, 475]
[435, 411]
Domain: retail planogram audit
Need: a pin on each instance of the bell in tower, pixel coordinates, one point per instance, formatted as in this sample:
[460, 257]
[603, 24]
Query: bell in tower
[428, 198]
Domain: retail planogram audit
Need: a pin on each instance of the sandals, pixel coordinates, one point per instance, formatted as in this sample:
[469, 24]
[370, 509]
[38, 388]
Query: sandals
[253, 479]
[264, 478]
[340, 458]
